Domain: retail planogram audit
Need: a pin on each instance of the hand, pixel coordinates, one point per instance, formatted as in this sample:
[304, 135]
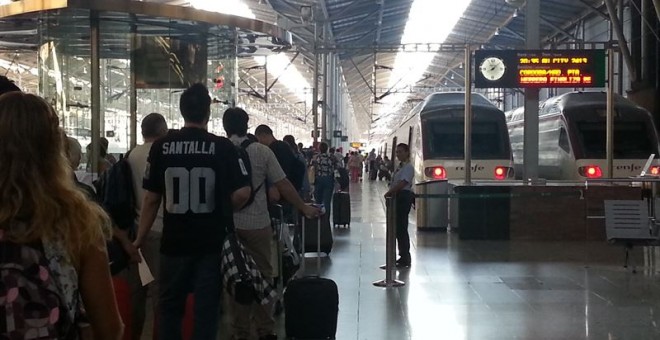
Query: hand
[132, 252]
[311, 211]
[387, 194]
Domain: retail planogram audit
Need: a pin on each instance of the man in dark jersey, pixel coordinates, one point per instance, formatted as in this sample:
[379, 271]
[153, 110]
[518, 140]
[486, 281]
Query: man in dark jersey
[203, 181]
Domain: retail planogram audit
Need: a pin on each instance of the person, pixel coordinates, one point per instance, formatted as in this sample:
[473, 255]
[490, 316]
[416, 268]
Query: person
[371, 158]
[43, 212]
[384, 171]
[6, 85]
[153, 127]
[104, 161]
[324, 166]
[201, 180]
[401, 191]
[346, 159]
[285, 156]
[73, 151]
[306, 187]
[253, 225]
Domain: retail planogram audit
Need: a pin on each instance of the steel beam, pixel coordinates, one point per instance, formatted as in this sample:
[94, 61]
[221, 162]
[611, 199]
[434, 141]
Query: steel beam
[623, 44]
[95, 90]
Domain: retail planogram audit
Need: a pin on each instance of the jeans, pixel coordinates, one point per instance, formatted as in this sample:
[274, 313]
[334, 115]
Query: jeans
[403, 203]
[180, 275]
[323, 190]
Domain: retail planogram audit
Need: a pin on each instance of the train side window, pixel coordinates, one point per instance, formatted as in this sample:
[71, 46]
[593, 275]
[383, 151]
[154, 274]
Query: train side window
[563, 140]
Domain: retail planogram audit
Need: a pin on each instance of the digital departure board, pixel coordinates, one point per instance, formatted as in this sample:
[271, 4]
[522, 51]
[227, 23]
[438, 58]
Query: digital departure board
[539, 68]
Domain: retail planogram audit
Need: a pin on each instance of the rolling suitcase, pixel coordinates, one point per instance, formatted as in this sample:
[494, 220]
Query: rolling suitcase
[311, 303]
[341, 209]
[313, 242]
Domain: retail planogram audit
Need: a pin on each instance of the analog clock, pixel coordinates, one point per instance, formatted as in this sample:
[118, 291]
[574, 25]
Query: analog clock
[492, 68]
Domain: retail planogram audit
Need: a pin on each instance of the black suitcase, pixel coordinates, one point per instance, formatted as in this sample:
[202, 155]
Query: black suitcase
[311, 304]
[311, 241]
[341, 209]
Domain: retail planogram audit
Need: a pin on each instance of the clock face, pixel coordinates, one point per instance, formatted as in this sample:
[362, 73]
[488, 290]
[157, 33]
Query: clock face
[492, 68]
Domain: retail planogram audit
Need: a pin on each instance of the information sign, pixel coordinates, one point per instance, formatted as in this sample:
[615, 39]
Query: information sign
[539, 68]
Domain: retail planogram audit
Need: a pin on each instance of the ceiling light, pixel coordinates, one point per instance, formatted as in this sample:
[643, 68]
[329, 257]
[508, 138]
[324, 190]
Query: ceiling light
[516, 13]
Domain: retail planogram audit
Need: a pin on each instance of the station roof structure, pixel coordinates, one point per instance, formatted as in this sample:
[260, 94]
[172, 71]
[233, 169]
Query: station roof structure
[366, 35]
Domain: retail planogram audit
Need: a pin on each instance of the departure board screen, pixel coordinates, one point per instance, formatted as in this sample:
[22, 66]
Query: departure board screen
[539, 68]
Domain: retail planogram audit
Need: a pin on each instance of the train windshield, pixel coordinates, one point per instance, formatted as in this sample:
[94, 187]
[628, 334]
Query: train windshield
[445, 140]
[632, 140]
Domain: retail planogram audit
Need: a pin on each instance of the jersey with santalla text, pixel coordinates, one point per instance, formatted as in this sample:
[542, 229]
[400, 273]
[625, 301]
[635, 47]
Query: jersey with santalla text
[196, 172]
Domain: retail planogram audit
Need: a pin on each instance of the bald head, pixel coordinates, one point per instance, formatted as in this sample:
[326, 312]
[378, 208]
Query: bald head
[73, 152]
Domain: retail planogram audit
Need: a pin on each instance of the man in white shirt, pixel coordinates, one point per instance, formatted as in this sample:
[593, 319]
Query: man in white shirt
[252, 223]
[153, 128]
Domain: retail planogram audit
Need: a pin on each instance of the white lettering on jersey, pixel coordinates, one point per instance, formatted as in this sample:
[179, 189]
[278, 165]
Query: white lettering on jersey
[189, 148]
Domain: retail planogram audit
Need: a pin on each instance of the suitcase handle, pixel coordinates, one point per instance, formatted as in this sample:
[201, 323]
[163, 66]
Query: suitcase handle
[318, 246]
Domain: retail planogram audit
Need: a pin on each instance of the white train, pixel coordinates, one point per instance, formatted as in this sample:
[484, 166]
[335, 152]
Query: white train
[572, 130]
[434, 129]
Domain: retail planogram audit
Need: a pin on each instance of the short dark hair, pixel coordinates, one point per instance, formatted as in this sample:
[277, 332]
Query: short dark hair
[404, 146]
[153, 125]
[235, 121]
[323, 147]
[263, 130]
[251, 137]
[195, 104]
[6, 85]
[291, 141]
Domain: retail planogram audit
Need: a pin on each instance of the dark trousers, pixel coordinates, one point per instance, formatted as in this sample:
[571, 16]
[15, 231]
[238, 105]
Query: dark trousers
[323, 190]
[180, 275]
[403, 203]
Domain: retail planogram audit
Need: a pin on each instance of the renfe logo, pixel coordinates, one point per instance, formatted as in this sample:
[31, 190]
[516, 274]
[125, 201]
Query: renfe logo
[474, 168]
[631, 167]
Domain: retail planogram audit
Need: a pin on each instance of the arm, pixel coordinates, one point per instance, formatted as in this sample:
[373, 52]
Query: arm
[150, 205]
[97, 293]
[129, 247]
[290, 194]
[240, 197]
[395, 189]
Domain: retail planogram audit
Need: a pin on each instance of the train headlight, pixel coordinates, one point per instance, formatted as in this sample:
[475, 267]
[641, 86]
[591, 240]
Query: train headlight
[590, 171]
[436, 172]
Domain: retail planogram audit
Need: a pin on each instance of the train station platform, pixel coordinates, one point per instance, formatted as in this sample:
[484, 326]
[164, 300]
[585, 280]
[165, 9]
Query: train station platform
[483, 290]
[486, 290]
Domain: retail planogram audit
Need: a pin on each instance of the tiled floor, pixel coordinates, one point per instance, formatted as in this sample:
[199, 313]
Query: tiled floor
[485, 290]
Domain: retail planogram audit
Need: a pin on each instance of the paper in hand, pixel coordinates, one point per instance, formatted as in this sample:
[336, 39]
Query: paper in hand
[145, 273]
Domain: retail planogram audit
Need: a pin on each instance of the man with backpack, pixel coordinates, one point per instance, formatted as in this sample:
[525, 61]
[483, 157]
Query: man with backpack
[292, 166]
[252, 223]
[153, 127]
[201, 180]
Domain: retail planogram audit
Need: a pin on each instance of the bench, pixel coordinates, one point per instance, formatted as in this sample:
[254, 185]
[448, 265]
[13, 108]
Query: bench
[627, 222]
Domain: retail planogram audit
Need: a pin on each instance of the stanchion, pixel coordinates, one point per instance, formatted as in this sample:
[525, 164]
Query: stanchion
[390, 246]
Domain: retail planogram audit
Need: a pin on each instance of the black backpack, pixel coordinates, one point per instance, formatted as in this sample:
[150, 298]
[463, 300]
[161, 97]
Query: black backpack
[298, 172]
[243, 155]
[116, 195]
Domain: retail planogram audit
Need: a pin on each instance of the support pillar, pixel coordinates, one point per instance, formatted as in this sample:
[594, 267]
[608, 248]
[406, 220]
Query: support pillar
[531, 122]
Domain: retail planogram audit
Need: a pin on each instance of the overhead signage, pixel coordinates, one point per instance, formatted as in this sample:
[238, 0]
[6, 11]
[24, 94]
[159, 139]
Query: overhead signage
[336, 133]
[539, 68]
[344, 138]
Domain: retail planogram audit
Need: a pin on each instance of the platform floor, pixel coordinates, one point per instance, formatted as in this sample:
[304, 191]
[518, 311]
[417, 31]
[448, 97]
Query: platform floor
[485, 290]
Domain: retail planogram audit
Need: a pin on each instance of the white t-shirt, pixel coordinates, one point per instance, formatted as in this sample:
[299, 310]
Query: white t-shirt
[137, 159]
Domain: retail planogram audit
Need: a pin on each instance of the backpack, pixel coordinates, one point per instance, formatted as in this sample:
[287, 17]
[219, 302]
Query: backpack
[32, 303]
[116, 195]
[243, 156]
[298, 172]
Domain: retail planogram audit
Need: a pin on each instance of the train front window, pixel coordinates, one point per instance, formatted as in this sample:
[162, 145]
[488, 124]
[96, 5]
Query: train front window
[632, 140]
[445, 140]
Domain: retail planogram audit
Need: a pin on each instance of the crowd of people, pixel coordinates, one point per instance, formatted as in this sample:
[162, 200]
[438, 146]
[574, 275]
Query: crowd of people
[189, 190]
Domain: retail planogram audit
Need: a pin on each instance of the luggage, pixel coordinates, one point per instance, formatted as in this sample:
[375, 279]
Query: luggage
[311, 303]
[341, 209]
[124, 303]
[343, 179]
[311, 242]
[373, 172]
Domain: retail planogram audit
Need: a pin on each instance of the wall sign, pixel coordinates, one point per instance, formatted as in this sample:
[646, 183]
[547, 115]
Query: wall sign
[539, 68]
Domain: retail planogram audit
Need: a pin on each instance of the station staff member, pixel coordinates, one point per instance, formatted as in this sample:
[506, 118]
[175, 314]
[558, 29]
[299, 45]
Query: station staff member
[401, 190]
